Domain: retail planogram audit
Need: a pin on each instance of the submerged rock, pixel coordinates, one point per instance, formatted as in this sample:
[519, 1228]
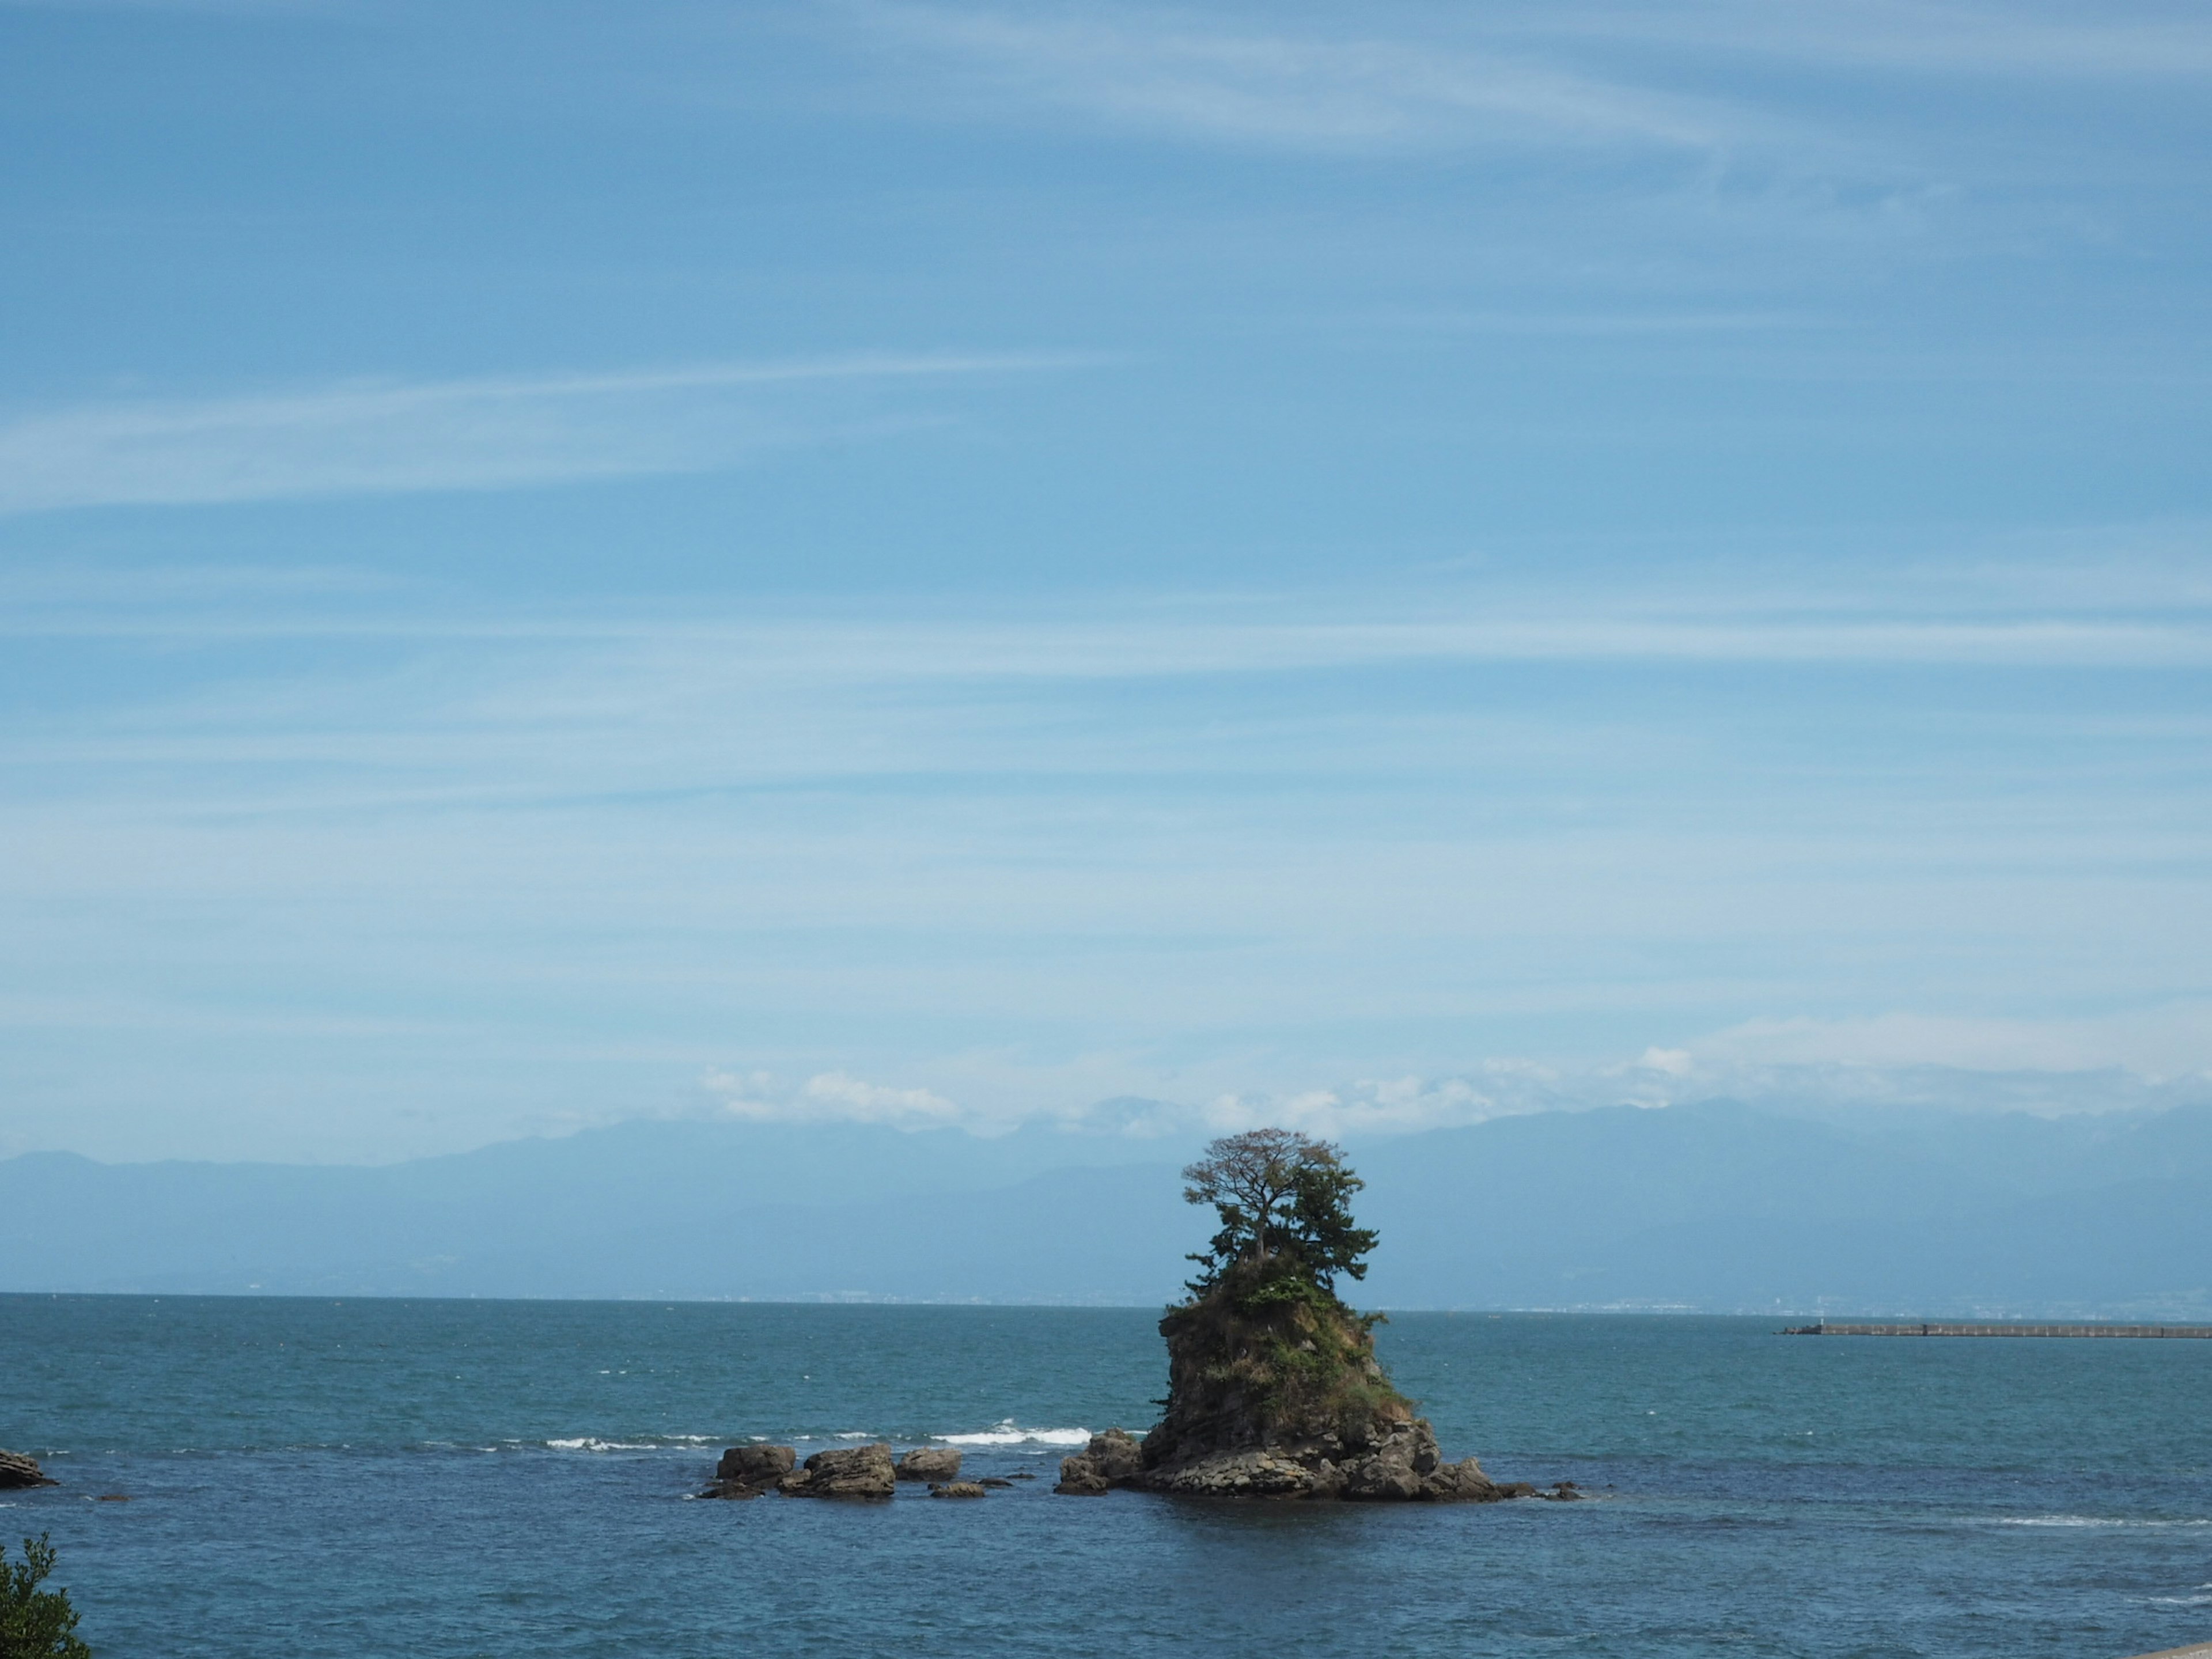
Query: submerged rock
[749, 1471]
[853, 1472]
[957, 1489]
[929, 1464]
[18, 1470]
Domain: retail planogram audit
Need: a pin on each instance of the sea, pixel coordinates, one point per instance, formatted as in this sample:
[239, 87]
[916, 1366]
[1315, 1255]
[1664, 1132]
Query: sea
[296, 1478]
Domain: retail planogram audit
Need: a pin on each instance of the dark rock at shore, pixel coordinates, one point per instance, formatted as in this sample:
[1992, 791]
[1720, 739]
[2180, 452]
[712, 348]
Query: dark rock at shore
[18, 1470]
[1273, 1391]
[853, 1472]
[1399, 1465]
[929, 1464]
[1112, 1459]
[749, 1471]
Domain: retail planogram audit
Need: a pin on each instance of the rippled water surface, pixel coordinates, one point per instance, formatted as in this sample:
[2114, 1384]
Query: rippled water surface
[463, 1478]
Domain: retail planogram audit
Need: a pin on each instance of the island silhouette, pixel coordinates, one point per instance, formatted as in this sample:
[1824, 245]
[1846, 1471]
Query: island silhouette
[1274, 1388]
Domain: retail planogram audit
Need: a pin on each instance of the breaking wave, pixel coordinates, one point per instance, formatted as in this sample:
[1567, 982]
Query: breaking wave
[657, 1442]
[1008, 1433]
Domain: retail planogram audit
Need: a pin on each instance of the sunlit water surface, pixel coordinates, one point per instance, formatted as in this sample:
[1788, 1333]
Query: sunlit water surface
[466, 1478]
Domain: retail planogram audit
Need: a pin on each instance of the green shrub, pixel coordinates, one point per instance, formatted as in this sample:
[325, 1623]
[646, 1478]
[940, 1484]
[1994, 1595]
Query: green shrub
[35, 1624]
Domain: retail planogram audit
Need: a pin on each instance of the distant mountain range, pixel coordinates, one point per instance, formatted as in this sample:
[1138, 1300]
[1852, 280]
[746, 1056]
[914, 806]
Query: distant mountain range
[1718, 1206]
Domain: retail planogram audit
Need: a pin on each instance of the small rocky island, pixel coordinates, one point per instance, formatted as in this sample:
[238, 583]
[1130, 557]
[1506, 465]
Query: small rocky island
[1273, 1389]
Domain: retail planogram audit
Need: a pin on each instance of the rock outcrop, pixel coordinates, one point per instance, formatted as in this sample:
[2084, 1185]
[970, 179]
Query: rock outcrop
[853, 1472]
[18, 1470]
[749, 1471]
[1111, 1460]
[1273, 1391]
[929, 1464]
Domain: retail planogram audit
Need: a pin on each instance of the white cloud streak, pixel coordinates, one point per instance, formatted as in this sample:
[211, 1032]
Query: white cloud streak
[1050, 647]
[1286, 91]
[831, 1097]
[384, 437]
[2157, 1041]
[2043, 43]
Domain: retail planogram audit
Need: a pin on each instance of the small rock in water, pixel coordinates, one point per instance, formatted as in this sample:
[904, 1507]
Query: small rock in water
[853, 1472]
[929, 1464]
[18, 1470]
[992, 1480]
[957, 1489]
[1112, 1459]
[749, 1471]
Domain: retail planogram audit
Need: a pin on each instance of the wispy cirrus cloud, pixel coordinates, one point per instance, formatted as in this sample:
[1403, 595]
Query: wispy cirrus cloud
[2042, 42]
[1282, 89]
[2161, 1041]
[1057, 647]
[385, 437]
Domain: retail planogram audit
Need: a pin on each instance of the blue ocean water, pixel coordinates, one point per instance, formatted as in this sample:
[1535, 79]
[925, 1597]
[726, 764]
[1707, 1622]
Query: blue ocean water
[432, 1479]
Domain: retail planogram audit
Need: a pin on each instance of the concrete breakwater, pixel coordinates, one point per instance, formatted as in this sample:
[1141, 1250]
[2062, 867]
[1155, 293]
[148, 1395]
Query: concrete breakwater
[1828, 1328]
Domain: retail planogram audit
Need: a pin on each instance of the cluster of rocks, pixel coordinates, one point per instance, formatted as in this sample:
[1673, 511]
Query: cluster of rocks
[18, 1471]
[1399, 1464]
[847, 1472]
[1273, 1391]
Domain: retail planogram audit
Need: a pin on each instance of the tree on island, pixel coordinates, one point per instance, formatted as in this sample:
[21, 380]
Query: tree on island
[1274, 1388]
[34, 1623]
[1285, 1202]
[1264, 1352]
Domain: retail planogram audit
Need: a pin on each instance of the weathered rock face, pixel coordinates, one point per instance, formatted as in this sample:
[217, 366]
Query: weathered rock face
[929, 1464]
[854, 1471]
[16, 1470]
[1111, 1460]
[1273, 1391]
[749, 1471]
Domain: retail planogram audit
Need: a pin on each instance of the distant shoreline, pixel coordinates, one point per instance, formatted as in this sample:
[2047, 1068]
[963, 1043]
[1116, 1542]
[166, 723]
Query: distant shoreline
[1930, 1328]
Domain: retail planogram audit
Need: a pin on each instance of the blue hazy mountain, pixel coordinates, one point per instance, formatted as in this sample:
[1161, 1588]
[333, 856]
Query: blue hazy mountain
[1719, 1206]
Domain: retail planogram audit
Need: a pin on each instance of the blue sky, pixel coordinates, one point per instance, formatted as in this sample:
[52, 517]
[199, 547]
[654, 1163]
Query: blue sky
[1366, 565]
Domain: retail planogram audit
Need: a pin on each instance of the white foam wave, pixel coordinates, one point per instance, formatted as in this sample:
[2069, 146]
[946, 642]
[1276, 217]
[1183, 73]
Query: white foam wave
[587, 1443]
[2089, 1520]
[1008, 1433]
[2179, 1601]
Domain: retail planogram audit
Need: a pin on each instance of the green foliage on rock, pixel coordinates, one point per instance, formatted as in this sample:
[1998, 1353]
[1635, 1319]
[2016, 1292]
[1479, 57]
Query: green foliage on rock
[1285, 1202]
[1266, 1356]
[34, 1623]
[1264, 1353]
